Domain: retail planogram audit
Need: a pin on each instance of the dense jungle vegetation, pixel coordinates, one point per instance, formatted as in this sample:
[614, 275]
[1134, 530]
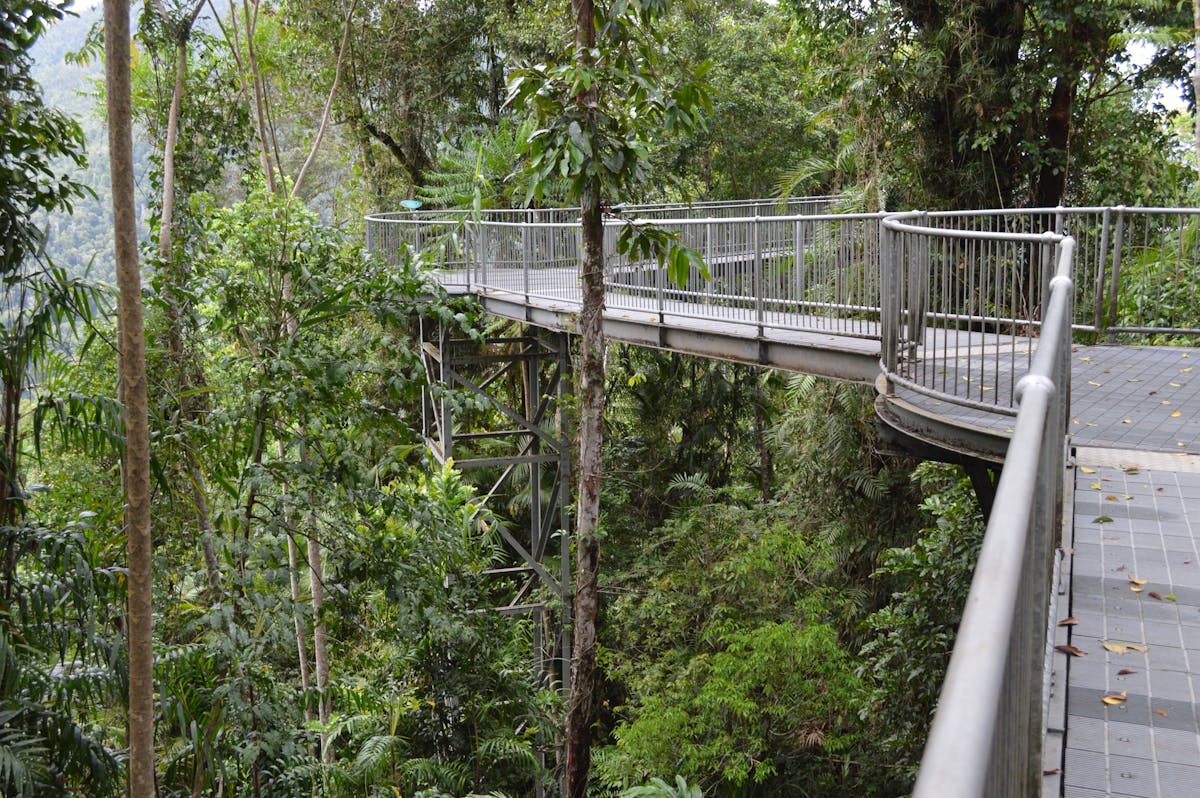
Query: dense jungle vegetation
[776, 599]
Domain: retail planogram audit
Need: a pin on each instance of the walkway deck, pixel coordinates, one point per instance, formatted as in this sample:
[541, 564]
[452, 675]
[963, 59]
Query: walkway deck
[1136, 426]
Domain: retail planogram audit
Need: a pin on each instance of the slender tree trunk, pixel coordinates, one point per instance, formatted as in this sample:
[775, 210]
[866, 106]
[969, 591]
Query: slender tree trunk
[191, 376]
[166, 224]
[212, 565]
[1196, 72]
[765, 468]
[301, 639]
[320, 641]
[327, 111]
[577, 756]
[260, 115]
[133, 367]
[9, 472]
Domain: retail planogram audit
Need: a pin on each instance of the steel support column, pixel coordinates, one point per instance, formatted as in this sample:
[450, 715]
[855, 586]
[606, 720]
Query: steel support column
[519, 446]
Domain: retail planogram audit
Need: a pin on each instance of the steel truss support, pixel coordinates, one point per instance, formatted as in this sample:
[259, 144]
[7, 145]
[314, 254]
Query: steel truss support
[518, 383]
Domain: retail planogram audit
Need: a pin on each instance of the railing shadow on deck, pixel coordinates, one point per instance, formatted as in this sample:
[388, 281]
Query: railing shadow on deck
[977, 309]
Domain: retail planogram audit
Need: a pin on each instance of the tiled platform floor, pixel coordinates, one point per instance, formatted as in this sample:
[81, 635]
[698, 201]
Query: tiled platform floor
[1135, 523]
[1144, 398]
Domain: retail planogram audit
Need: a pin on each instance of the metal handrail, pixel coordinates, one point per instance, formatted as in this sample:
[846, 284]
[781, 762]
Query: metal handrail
[823, 273]
[988, 731]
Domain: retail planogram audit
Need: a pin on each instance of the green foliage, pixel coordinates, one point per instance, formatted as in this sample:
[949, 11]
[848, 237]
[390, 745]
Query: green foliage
[452, 707]
[863, 499]
[905, 660]
[736, 676]
[484, 171]
[59, 662]
[1158, 278]
[636, 98]
[657, 788]
[35, 136]
[673, 416]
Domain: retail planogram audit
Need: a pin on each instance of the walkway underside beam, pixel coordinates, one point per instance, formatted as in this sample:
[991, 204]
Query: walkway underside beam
[834, 356]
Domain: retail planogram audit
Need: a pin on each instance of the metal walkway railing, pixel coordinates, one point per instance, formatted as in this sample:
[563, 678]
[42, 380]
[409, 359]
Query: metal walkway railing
[974, 309]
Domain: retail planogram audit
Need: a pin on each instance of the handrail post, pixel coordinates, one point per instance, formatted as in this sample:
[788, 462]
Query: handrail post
[918, 287]
[757, 277]
[1115, 286]
[525, 260]
[1098, 320]
[660, 278]
[798, 262]
[889, 302]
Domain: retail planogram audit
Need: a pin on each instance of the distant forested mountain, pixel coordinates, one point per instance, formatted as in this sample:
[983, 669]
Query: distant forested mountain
[82, 240]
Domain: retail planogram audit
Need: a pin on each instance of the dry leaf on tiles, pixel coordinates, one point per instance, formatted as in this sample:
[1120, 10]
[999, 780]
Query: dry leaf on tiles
[1114, 698]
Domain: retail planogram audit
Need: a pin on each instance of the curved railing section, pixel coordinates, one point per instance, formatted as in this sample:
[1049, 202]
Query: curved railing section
[1018, 291]
[962, 309]
[1136, 269]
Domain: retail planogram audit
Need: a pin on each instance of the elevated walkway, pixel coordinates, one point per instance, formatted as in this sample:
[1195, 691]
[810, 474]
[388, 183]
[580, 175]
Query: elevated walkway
[990, 338]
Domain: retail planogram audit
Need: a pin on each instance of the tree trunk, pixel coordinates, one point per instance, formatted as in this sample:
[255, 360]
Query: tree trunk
[328, 108]
[10, 476]
[166, 223]
[316, 576]
[577, 733]
[133, 375]
[301, 644]
[190, 375]
[1196, 73]
[765, 468]
[1052, 180]
[260, 115]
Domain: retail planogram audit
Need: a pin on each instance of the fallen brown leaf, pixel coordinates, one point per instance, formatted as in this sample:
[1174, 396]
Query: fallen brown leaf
[1162, 712]
[1114, 698]
[1154, 595]
[1074, 651]
[1068, 621]
[1136, 581]
[1125, 671]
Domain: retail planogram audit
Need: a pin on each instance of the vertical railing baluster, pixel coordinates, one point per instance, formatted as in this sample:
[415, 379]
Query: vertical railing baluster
[1115, 284]
[757, 280]
[525, 260]
[1098, 319]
